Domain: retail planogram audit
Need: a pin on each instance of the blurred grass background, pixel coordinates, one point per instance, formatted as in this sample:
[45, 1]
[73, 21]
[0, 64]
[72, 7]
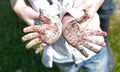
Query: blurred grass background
[14, 57]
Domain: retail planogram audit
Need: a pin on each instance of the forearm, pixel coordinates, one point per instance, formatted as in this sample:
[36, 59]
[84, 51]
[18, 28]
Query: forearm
[17, 4]
[97, 4]
[92, 8]
[24, 11]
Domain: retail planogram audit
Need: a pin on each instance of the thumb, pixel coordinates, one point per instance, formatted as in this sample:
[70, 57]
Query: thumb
[44, 19]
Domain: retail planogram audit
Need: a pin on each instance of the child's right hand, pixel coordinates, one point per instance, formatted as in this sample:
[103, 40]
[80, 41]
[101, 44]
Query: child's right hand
[44, 34]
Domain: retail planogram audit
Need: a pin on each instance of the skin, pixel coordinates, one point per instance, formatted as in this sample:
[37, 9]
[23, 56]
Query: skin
[24, 11]
[45, 34]
[76, 36]
[90, 6]
[38, 33]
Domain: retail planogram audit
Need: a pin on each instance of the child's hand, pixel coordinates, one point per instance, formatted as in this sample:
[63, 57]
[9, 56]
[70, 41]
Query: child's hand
[79, 37]
[44, 34]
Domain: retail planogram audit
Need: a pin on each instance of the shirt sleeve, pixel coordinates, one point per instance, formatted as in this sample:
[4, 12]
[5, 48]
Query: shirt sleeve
[45, 8]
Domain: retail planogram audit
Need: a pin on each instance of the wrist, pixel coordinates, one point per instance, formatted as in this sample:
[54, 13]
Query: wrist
[91, 7]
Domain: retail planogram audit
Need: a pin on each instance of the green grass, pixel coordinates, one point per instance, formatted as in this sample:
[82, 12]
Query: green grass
[114, 38]
[13, 54]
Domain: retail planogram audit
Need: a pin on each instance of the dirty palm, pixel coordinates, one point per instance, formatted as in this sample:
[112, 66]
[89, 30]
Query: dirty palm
[82, 33]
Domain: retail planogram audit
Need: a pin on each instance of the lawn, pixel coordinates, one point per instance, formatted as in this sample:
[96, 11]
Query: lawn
[14, 57]
[114, 37]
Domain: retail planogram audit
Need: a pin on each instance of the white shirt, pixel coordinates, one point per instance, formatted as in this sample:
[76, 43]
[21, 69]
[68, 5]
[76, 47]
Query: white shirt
[61, 51]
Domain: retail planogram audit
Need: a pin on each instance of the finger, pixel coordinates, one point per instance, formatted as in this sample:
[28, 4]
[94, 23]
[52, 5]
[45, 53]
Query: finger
[87, 7]
[36, 28]
[82, 51]
[83, 18]
[42, 45]
[44, 19]
[95, 41]
[92, 32]
[33, 42]
[88, 46]
[30, 21]
[29, 15]
[30, 36]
